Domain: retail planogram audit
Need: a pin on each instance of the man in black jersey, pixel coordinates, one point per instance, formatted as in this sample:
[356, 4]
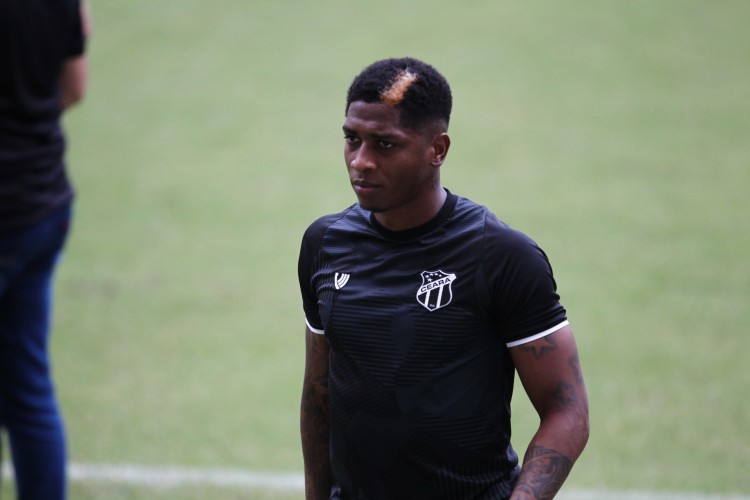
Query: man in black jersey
[420, 307]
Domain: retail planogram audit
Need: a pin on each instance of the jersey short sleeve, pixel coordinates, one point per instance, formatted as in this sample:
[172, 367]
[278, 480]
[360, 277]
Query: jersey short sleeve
[309, 256]
[521, 284]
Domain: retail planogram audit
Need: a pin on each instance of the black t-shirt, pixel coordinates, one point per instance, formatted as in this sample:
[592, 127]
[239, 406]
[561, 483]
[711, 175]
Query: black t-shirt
[419, 323]
[36, 37]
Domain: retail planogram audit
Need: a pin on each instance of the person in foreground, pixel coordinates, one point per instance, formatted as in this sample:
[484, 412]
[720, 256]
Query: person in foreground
[44, 72]
[420, 306]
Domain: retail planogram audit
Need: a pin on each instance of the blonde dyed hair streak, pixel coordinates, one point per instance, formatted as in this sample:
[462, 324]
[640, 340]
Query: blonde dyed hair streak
[394, 94]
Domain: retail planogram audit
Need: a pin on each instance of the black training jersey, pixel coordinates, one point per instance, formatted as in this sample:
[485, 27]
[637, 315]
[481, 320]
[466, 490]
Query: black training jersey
[419, 323]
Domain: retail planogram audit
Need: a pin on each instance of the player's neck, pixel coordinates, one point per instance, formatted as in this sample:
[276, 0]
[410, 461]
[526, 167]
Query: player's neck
[414, 214]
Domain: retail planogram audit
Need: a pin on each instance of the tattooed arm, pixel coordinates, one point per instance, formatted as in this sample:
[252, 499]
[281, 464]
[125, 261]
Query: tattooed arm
[550, 371]
[314, 423]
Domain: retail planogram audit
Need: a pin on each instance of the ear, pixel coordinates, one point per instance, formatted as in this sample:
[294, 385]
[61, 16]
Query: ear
[440, 146]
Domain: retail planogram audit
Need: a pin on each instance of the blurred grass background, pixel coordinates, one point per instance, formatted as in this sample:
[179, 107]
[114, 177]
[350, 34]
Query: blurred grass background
[615, 133]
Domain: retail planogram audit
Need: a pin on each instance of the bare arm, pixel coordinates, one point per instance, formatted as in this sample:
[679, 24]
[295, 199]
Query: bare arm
[74, 76]
[550, 371]
[314, 418]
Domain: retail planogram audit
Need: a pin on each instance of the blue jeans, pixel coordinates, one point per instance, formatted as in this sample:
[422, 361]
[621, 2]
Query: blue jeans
[28, 408]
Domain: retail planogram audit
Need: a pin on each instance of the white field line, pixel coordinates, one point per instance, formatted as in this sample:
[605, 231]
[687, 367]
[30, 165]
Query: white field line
[174, 476]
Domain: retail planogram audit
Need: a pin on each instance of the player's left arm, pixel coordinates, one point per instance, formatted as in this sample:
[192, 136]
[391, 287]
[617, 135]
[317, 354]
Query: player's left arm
[550, 371]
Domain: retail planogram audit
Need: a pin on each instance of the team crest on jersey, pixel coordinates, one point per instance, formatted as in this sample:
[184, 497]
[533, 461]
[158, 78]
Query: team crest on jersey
[435, 291]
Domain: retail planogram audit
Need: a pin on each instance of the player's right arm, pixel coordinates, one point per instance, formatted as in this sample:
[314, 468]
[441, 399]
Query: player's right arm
[314, 418]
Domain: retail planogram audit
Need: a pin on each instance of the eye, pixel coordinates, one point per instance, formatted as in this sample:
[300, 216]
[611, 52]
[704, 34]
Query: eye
[385, 144]
[351, 139]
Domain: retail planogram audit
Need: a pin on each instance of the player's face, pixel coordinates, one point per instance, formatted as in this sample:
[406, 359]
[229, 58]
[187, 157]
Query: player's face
[394, 170]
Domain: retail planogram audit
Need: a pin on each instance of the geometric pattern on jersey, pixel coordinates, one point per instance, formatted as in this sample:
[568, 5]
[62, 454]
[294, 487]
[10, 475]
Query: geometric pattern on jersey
[420, 377]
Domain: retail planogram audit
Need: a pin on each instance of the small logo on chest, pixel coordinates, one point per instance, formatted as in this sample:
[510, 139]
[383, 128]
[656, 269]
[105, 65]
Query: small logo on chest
[435, 291]
[340, 280]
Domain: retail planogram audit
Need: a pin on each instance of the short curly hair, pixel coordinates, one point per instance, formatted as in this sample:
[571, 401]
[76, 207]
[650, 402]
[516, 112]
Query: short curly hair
[417, 89]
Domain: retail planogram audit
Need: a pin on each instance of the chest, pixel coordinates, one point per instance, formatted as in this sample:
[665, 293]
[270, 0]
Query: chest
[415, 297]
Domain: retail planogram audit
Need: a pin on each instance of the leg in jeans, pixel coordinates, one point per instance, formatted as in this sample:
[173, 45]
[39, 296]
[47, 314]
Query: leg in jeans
[28, 408]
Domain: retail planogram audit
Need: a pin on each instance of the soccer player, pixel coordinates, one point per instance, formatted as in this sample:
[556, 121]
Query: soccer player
[420, 307]
[43, 71]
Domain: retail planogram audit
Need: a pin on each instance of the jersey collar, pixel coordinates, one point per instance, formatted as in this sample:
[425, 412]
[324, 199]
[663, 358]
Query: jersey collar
[416, 232]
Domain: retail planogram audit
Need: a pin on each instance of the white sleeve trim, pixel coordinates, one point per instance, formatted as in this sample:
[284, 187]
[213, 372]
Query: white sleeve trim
[538, 335]
[314, 330]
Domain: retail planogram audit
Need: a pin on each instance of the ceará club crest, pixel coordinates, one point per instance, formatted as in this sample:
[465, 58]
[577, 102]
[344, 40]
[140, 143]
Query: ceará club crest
[435, 291]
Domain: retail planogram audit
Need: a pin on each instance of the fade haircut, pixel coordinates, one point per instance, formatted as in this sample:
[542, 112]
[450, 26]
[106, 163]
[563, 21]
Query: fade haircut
[414, 87]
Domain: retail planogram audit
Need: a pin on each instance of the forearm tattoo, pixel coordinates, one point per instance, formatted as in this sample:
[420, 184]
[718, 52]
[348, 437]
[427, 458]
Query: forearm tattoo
[544, 471]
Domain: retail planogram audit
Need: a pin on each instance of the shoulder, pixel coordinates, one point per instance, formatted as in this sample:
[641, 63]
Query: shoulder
[333, 229]
[500, 235]
[322, 235]
[503, 247]
[496, 233]
[320, 226]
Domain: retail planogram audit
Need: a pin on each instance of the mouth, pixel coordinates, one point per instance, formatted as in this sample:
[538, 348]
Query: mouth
[364, 187]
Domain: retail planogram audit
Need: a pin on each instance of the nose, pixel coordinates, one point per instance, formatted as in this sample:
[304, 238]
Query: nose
[361, 159]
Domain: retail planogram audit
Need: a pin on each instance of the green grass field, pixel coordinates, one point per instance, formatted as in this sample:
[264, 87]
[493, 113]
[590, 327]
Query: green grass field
[617, 134]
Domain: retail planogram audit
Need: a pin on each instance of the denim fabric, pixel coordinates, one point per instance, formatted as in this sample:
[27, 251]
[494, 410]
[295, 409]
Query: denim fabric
[28, 408]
